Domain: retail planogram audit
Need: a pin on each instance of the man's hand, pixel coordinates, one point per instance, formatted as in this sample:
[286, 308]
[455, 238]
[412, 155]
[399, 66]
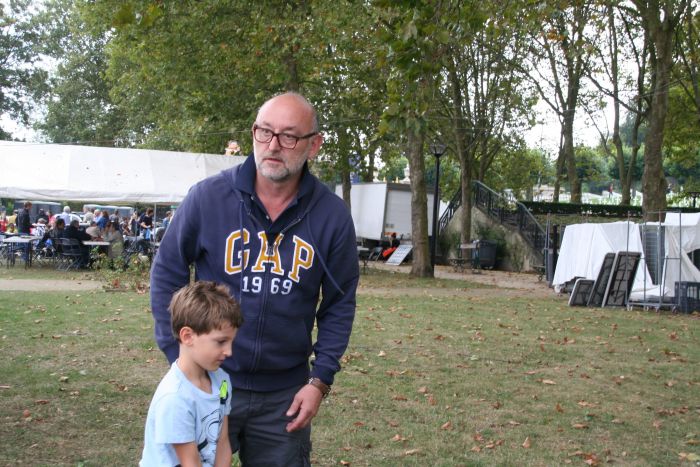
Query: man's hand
[305, 405]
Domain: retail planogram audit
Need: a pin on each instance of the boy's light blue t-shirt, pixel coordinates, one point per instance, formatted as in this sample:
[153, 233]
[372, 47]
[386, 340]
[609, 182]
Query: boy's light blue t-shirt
[180, 412]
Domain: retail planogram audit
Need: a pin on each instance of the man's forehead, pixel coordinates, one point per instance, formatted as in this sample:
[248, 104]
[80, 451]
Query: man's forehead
[285, 112]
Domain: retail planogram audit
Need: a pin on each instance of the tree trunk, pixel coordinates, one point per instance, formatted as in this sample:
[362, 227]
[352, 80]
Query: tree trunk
[421, 266]
[561, 159]
[466, 217]
[570, 159]
[346, 189]
[653, 180]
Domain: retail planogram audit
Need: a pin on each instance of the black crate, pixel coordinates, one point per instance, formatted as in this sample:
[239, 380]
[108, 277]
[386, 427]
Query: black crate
[688, 295]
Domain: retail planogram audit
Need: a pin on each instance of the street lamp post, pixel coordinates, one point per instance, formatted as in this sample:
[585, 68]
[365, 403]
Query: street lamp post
[438, 149]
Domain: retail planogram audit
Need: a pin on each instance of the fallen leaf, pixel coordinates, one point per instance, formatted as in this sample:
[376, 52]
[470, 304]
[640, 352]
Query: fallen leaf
[381, 354]
[26, 413]
[423, 389]
[398, 437]
[358, 424]
[657, 424]
[513, 423]
[41, 402]
[580, 426]
[411, 452]
[344, 463]
[526, 444]
[399, 397]
[559, 409]
[446, 426]
[476, 449]
[432, 400]
[690, 456]
[548, 381]
[393, 424]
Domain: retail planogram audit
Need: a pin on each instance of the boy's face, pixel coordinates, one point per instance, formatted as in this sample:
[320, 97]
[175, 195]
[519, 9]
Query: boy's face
[211, 349]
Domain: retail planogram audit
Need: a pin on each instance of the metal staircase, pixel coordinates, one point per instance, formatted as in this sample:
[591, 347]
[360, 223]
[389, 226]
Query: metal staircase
[509, 213]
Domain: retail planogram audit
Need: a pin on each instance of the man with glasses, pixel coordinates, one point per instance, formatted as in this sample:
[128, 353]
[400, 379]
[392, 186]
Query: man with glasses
[285, 246]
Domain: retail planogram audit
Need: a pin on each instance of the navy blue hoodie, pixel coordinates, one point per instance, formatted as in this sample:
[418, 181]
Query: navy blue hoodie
[286, 275]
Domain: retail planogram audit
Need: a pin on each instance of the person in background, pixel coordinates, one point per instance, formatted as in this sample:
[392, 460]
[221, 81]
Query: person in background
[102, 220]
[3, 221]
[134, 224]
[24, 226]
[66, 215]
[12, 218]
[113, 235]
[73, 231]
[50, 238]
[40, 227]
[24, 222]
[125, 227]
[167, 219]
[93, 231]
[146, 224]
[89, 216]
[285, 247]
[42, 215]
[395, 242]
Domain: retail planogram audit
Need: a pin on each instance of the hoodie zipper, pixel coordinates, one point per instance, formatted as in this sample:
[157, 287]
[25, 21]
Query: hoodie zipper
[269, 251]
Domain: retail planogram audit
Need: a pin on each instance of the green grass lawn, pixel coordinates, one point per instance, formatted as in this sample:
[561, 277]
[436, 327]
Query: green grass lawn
[440, 373]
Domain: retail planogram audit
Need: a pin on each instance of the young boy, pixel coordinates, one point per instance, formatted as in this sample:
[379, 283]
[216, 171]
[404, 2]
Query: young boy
[187, 421]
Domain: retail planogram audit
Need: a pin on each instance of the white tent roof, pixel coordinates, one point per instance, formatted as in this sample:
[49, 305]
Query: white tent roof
[84, 173]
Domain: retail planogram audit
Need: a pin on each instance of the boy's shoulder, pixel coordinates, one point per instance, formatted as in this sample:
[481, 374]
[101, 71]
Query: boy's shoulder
[170, 385]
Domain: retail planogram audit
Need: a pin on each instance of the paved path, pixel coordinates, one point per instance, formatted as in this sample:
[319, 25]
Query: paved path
[502, 279]
[48, 285]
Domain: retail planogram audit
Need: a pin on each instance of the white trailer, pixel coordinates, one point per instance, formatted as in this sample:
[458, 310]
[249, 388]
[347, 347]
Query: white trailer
[378, 209]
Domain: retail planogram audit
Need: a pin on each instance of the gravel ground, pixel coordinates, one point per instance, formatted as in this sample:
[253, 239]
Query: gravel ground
[47, 285]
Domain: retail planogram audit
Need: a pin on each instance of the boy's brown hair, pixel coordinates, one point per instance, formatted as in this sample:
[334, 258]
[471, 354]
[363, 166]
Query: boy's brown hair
[203, 306]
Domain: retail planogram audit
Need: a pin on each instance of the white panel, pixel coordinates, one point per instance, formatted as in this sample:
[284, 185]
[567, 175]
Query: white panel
[398, 213]
[367, 200]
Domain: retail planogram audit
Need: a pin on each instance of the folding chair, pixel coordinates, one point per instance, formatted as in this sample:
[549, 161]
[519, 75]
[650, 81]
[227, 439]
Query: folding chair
[375, 254]
[71, 254]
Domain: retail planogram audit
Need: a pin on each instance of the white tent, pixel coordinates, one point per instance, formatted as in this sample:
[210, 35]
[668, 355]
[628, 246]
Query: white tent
[682, 236]
[83, 173]
[584, 246]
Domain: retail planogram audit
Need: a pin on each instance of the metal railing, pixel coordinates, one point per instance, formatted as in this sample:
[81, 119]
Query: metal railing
[503, 210]
[510, 212]
[450, 211]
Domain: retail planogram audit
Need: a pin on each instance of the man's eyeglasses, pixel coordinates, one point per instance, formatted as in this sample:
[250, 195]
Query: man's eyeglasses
[285, 140]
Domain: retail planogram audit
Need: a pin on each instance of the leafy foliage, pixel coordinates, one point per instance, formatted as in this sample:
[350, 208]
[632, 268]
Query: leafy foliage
[20, 79]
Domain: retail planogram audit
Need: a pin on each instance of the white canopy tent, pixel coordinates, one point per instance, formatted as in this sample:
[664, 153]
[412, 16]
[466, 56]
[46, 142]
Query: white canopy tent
[584, 246]
[84, 173]
[682, 236]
